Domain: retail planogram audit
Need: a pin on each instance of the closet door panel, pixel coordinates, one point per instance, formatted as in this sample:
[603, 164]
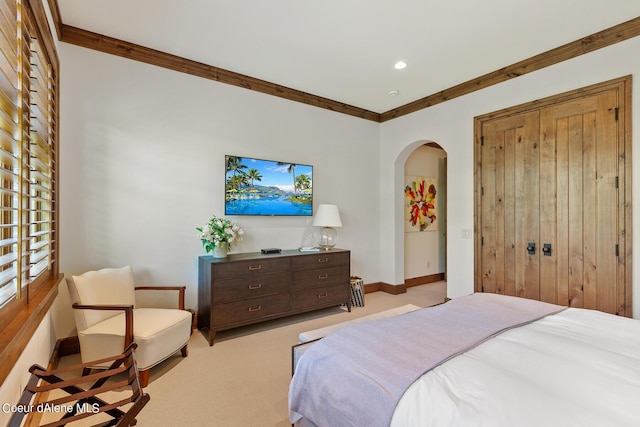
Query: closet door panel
[574, 126]
[499, 214]
[489, 243]
[562, 214]
[589, 213]
[607, 205]
[575, 212]
[509, 206]
[559, 132]
[581, 270]
[510, 245]
[526, 209]
[551, 185]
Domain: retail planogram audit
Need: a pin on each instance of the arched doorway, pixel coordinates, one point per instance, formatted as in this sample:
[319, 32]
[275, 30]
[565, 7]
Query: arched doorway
[424, 214]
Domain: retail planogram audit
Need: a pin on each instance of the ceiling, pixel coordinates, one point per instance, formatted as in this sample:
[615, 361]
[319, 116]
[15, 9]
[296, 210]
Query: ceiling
[345, 50]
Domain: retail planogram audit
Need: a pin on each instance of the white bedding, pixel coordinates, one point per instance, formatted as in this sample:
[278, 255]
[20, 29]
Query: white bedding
[357, 375]
[576, 368]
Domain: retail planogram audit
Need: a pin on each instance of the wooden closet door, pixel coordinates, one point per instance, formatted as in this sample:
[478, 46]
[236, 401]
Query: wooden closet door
[549, 177]
[579, 203]
[510, 205]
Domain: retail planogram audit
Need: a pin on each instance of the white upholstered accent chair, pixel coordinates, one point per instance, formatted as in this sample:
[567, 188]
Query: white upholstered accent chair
[108, 319]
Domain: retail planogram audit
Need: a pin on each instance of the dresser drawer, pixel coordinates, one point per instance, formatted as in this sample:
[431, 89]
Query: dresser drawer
[249, 287]
[319, 260]
[249, 268]
[319, 297]
[306, 279]
[251, 309]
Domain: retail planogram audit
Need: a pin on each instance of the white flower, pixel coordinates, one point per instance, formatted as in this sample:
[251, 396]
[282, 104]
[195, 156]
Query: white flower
[219, 231]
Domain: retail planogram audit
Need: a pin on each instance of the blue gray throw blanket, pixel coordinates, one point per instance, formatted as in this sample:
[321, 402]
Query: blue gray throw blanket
[357, 375]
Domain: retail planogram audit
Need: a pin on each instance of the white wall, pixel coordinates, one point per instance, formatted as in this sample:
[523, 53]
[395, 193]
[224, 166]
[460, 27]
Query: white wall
[423, 250]
[451, 125]
[142, 164]
[38, 350]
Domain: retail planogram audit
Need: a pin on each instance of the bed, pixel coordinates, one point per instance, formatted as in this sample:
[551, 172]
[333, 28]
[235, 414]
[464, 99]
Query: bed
[478, 360]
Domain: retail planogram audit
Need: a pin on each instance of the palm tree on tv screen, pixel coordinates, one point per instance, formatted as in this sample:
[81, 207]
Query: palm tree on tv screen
[292, 170]
[303, 182]
[254, 174]
[233, 185]
[235, 164]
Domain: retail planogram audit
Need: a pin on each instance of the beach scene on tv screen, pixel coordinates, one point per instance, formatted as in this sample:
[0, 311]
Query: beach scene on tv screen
[267, 187]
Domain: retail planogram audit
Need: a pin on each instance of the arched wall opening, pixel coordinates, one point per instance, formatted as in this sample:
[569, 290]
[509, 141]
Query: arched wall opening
[459, 205]
[424, 215]
[422, 157]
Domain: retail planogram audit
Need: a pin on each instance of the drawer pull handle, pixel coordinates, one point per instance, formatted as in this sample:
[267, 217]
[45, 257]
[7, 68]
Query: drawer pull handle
[323, 295]
[322, 276]
[255, 267]
[323, 259]
[258, 286]
[258, 308]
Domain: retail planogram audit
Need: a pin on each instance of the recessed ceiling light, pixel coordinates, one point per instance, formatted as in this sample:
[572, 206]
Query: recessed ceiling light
[393, 93]
[400, 65]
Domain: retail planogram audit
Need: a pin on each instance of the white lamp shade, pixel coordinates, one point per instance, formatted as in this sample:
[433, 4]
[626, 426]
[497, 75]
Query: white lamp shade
[327, 216]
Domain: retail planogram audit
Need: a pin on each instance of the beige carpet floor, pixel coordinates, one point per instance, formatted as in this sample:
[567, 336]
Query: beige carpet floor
[243, 379]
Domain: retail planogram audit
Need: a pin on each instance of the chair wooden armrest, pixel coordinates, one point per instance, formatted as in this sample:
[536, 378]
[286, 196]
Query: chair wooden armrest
[181, 290]
[79, 402]
[128, 317]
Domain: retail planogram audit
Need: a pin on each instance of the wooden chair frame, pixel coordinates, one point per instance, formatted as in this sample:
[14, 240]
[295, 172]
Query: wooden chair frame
[84, 403]
[128, 316]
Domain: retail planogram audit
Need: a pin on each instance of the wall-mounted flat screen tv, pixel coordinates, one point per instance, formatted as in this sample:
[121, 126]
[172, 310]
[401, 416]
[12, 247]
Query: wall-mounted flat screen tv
[267, 187]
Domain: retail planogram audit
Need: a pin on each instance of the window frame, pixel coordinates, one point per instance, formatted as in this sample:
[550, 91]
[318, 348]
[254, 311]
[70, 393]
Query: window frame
[21, 315]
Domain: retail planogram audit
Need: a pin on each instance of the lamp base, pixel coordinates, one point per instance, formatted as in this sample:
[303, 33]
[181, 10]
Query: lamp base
[328, 238]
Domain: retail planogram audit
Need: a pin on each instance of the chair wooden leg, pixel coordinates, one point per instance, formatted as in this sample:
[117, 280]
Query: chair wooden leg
[144, 377]
[184, 350]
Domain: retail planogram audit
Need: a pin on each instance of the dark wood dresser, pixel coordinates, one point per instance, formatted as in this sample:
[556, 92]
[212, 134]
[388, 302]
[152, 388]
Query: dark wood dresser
[253, 287]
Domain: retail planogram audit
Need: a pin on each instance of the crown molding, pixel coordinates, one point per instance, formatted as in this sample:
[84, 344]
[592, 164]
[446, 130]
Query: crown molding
[612, 35]
[106, 44]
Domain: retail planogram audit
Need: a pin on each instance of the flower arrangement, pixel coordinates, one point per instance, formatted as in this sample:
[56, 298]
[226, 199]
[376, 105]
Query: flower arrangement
[219, 232]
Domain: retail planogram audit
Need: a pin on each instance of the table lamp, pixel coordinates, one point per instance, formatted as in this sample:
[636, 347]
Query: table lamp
[327, 217]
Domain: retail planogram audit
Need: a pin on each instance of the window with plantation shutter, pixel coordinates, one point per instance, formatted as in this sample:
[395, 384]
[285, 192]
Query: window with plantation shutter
[9, 151]
[27, 155]
[40, 152]
[29, 275]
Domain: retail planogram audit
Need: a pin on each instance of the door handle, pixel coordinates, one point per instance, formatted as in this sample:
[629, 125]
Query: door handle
[546, 249]
[531, 248]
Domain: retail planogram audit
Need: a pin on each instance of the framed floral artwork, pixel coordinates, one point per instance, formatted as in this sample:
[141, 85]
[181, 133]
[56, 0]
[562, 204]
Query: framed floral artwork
[421, 207]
